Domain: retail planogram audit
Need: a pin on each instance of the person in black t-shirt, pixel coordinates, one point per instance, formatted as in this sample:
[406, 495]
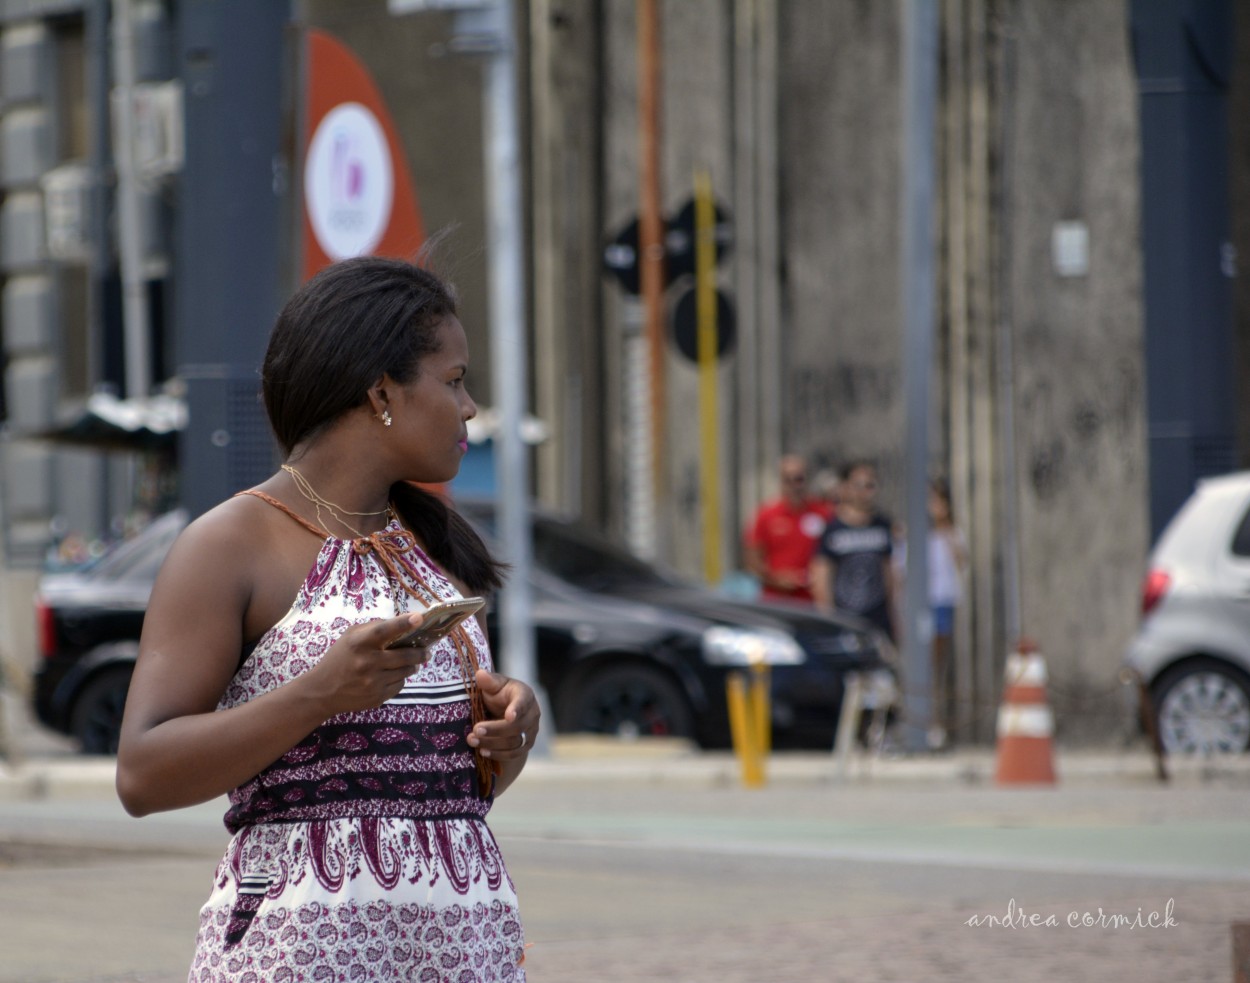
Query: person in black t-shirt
[851, 569]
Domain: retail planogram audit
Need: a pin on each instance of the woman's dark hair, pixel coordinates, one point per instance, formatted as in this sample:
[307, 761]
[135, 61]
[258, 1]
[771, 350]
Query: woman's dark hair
[853, 465]
[942, 489]
[338, 334]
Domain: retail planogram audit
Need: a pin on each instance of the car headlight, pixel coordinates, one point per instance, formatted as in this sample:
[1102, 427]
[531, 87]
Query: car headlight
[726, 646]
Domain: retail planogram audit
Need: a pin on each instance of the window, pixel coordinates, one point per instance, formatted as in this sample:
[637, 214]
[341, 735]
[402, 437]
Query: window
[72, 143]
[1241, 539]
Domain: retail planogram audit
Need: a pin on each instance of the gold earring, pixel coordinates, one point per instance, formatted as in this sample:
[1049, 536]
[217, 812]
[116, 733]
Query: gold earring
[386, 418]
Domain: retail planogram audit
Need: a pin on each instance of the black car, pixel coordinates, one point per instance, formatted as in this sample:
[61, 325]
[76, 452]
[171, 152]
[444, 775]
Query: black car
[621, 647]
[88, 622]
[626, 649]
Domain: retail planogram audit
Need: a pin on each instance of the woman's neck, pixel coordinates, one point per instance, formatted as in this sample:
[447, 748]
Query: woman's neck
[340, 499]
[855, 515]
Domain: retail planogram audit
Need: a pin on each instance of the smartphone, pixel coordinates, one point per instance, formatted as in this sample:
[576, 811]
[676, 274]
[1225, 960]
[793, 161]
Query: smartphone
[437, 621]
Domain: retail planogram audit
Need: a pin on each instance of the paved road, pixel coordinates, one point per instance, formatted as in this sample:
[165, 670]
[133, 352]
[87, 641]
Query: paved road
[879, 884]
[663, 868]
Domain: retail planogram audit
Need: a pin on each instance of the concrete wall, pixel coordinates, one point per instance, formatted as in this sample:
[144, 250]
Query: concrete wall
[50, 311]
[839, 118]
[28, 323]
[1038, 126]
[564, 90]
[29, 490]
[1073, 155]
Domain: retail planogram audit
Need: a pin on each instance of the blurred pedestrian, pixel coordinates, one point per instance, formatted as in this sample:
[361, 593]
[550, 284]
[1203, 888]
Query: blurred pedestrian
[359, 774]
[948, 560]
[851, 569]
[825, 484]
[783, 534]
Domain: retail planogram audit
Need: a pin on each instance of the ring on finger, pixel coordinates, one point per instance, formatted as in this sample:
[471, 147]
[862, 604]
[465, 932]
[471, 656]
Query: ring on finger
[522, 744]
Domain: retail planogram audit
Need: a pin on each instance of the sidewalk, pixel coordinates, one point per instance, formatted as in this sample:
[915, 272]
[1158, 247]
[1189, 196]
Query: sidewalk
[56, 772]
[625, 851]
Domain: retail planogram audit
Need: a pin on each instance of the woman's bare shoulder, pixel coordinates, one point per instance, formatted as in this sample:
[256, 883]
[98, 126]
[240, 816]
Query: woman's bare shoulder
[238, 522]
[226, 544]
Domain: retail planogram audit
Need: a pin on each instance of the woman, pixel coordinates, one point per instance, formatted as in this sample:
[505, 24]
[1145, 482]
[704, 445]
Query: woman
[358, 779]
[948, 559]
[851, 568]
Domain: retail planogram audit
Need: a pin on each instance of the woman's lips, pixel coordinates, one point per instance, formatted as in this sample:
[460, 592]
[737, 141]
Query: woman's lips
[464, 446]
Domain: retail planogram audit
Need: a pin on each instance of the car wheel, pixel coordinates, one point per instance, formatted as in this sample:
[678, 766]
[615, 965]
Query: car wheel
[1203, 707]
[97, 716]
[629, 701]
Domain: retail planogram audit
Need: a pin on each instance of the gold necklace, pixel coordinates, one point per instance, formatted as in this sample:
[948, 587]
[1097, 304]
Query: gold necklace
[336, 511]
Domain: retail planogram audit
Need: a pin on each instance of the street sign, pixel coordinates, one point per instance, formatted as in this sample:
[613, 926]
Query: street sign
[679, 240]
[686, 324]
[620, 255]
[620, 258]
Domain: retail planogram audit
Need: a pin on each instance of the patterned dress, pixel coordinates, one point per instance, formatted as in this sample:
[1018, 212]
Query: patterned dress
[362, 854]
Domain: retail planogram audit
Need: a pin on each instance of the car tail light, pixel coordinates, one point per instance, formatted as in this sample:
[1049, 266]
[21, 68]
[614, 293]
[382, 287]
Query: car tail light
[45, 623]
[1153, 588]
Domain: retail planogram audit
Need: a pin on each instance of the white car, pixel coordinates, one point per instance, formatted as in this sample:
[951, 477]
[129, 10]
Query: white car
[1193, 648]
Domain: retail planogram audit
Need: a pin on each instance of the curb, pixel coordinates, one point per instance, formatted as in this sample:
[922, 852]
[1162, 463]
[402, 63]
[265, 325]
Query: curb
[581, 760]
[37, 779]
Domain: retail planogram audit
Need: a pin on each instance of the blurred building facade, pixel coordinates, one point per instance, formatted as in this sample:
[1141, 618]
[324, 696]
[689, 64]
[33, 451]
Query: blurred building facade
[1041, 418]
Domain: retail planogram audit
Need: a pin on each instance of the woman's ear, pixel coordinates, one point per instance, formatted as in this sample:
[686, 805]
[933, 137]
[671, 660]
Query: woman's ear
[378, 396]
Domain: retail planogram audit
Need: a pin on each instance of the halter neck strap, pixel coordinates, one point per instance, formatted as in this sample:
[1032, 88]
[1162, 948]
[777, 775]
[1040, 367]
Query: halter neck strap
[283, 507]
[388, 545]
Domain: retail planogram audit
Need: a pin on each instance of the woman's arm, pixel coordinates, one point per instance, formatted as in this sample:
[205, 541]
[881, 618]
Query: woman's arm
[822, 573]
[958, 547]
[175, 749]
[753, 560]
[891, 580]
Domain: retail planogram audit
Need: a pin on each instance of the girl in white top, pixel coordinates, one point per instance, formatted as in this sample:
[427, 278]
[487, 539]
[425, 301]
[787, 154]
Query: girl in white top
[948, 559]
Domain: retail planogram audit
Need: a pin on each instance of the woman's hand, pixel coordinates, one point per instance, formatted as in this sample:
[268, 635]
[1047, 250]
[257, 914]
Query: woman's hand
[512, 713]
[358, 672]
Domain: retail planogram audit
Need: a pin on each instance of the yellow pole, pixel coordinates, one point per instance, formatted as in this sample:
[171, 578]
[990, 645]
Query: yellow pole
[760, 707]
[705, 306]
[742, 727]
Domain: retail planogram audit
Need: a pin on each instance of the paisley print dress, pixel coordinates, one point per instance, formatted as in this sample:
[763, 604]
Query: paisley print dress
[363, 853]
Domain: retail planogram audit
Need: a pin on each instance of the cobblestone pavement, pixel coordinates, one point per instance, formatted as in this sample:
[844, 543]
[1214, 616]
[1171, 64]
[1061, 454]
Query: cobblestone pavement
[936, 898]
[927, 943]
[642, 865]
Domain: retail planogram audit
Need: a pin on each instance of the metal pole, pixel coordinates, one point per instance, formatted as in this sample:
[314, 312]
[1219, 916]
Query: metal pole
[709, 414]
[771, 379]
[508, 355]
[1006, 399]
[96, 21]
[136, 332]
[651, 224]
[920, 80]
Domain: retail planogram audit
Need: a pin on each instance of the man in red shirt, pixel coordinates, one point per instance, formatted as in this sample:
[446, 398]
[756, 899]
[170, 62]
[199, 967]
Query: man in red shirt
[781, 538]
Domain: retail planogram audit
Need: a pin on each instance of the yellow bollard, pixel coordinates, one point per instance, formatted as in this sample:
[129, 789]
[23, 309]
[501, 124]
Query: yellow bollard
[748, 722]
[762, 709]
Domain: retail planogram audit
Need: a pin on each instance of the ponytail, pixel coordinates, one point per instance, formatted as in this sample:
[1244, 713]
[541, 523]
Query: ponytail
[448, 538]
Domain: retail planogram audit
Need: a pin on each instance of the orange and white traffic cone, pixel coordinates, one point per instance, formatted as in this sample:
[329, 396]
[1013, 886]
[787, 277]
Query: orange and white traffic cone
[1026, 726]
